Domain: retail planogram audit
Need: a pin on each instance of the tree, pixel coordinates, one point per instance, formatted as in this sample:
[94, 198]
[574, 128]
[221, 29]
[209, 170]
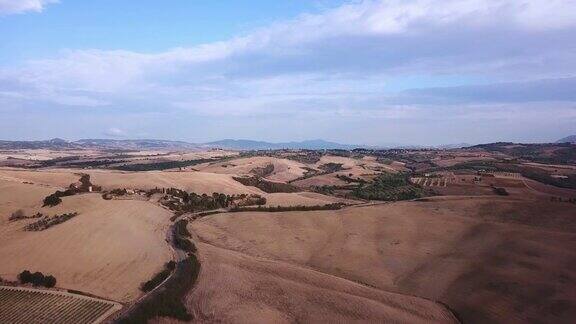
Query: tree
[52, 201]
[49, 281]
[170, 265]
[37, 279]
[25, 277]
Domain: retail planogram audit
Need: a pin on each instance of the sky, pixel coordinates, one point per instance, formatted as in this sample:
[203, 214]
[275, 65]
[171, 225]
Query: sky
[418, 72]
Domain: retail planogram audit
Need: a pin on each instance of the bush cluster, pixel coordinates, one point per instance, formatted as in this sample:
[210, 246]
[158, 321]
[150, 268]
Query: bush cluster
[19, 214]
[37, 279]
[181, 201]
[333, 206]
[48, 222]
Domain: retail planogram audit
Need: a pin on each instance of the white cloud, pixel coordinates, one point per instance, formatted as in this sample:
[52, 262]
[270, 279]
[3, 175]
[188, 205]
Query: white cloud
[339, 60]
[115, 132]
[8, 7]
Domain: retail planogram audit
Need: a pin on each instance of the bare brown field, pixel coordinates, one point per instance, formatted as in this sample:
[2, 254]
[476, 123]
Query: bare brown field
[492, 259]
[284, 169]
[199, 182]
[541, 188]
[554, 169]
[239, 288]
[108, 250]
[303, 198]
[49, 178]
[469, 254]
[40, 154]
[18, 195]
[448, 160]
[318, 181]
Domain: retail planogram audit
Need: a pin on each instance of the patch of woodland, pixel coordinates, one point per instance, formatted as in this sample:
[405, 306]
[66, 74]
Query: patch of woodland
[266, 185]
[181, 237]
[181, 201]
[384, 187]
[388, 187]
[324, 169]
[83, 185]
[263, 171]
[332, 206]
[167, 301]
[158, 166]
[159, 277]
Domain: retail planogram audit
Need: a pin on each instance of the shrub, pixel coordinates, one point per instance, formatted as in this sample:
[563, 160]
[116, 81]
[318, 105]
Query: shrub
[500, 191]
[19, 214]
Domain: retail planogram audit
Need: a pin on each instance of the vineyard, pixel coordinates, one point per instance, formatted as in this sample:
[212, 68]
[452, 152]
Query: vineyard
[24, 305]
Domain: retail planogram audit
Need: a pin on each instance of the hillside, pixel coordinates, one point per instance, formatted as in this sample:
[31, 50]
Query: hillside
[469, 253]
[568, 139]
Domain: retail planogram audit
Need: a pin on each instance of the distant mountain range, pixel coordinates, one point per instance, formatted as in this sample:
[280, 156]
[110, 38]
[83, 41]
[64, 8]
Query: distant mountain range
[137, 144]
[152, 144]
[260, 145]
[568, 139]
[240, 144]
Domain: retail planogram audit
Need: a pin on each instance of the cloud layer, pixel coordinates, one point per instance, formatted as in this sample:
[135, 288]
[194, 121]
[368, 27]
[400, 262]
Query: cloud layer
[389, 59]
[8, 7]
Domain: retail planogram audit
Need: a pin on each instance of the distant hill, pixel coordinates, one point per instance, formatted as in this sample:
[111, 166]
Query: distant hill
[137, 144]
[568, 139]
[152, 144]
[60, 144]
[552, 153]
[55, 143]
[453, 146]
[261, 145]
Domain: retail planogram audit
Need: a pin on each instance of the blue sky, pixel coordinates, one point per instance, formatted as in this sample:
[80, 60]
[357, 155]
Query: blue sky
[367, 72]
[144, 26]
